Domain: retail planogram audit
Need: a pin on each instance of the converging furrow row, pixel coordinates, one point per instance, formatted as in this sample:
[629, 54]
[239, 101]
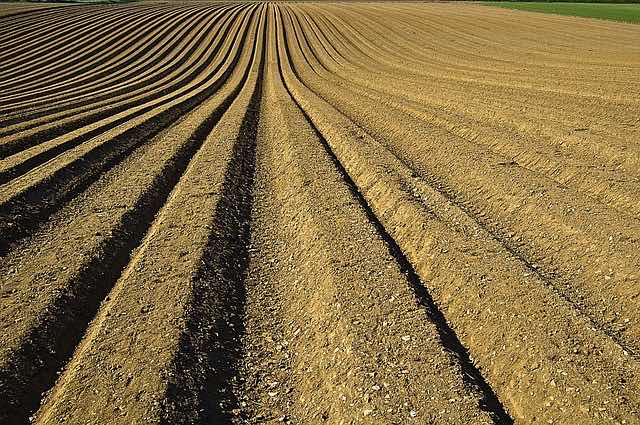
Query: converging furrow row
[305, 213]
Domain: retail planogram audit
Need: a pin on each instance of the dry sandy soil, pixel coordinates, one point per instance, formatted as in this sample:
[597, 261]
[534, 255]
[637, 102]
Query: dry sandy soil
[15, 9]
[318, 213]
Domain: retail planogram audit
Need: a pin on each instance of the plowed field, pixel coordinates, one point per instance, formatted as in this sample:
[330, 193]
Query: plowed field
[318, 213]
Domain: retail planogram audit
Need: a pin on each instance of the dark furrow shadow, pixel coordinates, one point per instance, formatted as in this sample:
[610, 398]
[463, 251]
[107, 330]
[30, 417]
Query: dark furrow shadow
[82, 89]
[80, 30]
[24, 213]
[549, 275]
[211, 347]
[33, 369]
[17, 145]
[470, 373]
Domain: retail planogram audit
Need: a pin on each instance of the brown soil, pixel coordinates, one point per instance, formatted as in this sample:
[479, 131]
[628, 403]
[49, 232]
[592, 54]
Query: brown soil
[318, 213]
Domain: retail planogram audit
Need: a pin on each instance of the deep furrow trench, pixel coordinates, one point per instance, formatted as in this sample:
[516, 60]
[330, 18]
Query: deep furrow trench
[210, 213]
[23, 209]
[448, 337]
[32, 367]
[549, 275]
[99, 107]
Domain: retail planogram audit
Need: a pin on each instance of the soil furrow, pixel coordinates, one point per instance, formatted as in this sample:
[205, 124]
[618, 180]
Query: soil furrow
[42, 25]
[577, 223]
[55, 320]
[30, 201]
[459, 273]
[412, 88]
[129, 37]
[203, 295]
[447, 335]
[597, 184]
[30, 11]
[147, 62]
[100, 106]
[75, 24]
[348, 342]
[46, 31]
[106, 110]
[340, 213]
[47, 55]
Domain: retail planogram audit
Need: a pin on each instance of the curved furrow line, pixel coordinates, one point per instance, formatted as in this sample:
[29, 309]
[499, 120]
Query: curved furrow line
[158, 63]
[420, 62]
[73, 131]
[115, 68]
[539, 98]
[424, 66]
[404, 63]
[623, 196]
[11, 20]
[19, 11]
[502, 58]
[461, 58]
[593, 183]
[373, 213]
[488, 55]
[386, 50]
[551, 109]
[104, 115]
[300, 93]
[394, 45]
[428, 114]
[475, 62]
[134, 36]
[343, 193]
[429, 234]
[57, 64]
[582, 291]
[351, 41]
[334, 54]
[38, 20]
[198, 50]
[27, 201]
[72, 74]
[38, 24]
[480, 30]
[43, 30]
[60, 314]
[38, 53]
[559, 73]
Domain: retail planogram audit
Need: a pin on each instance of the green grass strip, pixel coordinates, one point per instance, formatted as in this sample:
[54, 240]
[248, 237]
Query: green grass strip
[611, 11]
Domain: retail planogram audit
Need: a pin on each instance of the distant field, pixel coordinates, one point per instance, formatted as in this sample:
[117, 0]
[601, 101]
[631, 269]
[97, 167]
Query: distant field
[317, 213]
[39, 3]
[611, 11]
